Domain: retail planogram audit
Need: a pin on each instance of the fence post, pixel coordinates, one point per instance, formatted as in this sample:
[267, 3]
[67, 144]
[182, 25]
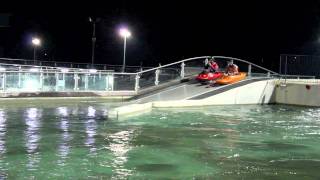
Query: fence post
[182, 70]
[156, 82]
[4, 81]
[280, 65]
[41, 80]
[57, 80]
[136, 86]
[19, 77]
[86, 82]
[268, 74]
[64, 81]
[285, 70]
[249, 69]
[76, 78]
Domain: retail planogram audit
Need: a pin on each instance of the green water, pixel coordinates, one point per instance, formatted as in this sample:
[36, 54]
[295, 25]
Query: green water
[75, 141]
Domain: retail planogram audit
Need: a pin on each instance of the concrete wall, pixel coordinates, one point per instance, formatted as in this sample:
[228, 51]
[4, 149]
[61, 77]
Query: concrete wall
[130, 110]
[302, 93]
[261, 92]
[296, 92]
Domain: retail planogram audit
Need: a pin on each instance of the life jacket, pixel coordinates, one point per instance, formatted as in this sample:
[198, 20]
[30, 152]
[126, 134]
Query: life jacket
[232, 68]
[214, 66]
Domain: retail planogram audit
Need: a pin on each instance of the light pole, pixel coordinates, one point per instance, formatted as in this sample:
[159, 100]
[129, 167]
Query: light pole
[125, 33]
[36, 42]
[93, 21]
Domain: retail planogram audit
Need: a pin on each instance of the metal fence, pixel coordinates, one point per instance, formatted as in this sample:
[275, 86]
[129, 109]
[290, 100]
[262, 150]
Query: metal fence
[291, 64]
[30, 78]
[75, 65]
[64, 80]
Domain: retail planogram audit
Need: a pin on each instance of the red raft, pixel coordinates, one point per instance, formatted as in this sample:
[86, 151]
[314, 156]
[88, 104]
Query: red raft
[209, 77]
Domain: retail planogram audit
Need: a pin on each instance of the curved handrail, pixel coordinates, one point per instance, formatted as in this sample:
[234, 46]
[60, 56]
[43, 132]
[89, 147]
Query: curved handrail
[203, 57]
[241, 60]
[178, 62]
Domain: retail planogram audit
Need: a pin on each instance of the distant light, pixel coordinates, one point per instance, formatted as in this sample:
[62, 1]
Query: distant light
[124, 32]
[2, 69]
[34, 70]
[92, 70]
[36, 41]
[64, 70]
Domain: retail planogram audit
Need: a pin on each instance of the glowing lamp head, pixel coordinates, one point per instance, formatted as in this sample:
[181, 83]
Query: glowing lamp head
[36, 41]
[125, 33]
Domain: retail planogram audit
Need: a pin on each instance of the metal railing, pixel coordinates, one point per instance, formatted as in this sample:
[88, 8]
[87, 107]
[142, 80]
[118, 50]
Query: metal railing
[72, 65]
[290, 64]
[45, 78]
[191, 67]
[39, 79]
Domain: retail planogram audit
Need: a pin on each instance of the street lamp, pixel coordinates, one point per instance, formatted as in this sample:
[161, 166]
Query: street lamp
[36, 42]
[93, 21]
[125, 33]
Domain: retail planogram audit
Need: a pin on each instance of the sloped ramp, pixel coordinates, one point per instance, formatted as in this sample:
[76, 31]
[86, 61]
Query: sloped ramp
[191, 90]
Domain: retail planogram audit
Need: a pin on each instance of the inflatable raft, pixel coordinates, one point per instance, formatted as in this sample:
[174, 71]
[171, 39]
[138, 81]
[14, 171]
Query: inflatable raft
[231, 79]
[209, 76]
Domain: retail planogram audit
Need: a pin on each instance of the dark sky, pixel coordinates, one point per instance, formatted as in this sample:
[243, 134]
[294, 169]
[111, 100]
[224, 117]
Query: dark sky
[165, 31]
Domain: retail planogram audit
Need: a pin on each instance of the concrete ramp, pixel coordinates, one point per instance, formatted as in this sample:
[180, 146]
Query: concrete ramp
[191, 90]
[177, 92]
[249, 91]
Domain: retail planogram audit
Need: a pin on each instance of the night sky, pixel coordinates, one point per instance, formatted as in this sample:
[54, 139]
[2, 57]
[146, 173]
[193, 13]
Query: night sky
[164, 31]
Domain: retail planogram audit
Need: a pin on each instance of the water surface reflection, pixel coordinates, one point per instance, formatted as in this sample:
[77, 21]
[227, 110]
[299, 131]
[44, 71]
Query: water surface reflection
[32, 117]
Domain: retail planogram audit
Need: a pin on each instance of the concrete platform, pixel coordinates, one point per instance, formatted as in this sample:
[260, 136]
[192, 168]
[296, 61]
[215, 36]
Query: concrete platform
[109, 94]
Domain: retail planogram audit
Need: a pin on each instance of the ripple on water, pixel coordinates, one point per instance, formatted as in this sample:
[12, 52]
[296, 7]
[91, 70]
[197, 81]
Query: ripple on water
[156, 167]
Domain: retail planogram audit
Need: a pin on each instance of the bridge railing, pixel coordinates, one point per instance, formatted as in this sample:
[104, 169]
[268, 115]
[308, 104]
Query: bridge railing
[18, 78]
[191, 67]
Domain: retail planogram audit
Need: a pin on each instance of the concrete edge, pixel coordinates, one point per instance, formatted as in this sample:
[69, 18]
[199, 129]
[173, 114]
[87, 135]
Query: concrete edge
[118, 98]
[137, 109]
[129, 110]
[64, 94]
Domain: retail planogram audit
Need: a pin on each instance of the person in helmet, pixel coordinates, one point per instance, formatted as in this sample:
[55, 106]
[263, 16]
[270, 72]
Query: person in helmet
[213, 65]
[232, 69]
[206, 65]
